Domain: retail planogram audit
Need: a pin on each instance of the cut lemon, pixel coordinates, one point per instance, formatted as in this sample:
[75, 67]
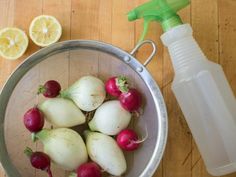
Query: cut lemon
[13, 43]
[45, 30]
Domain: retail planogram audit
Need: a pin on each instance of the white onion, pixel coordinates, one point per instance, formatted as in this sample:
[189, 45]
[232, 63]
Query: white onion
[65, 147]
[62, 112]
[110, 118]
[88, 93]
[104, 150]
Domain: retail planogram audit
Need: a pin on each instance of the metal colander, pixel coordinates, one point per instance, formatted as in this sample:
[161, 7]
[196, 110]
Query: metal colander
[66, 62]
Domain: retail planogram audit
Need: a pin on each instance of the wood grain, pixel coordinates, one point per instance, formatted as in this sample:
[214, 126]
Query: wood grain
[214, 25]
[18, 17]
[227, 37]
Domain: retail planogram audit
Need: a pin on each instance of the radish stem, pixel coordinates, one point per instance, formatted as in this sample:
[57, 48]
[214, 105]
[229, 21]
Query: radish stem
[28, 152]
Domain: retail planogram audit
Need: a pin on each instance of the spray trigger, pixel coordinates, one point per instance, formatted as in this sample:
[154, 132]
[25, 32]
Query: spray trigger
[146, 23]
[162, 11]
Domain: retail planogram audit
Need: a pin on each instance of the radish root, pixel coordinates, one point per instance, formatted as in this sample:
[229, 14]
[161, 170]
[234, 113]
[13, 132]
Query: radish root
[143, 138]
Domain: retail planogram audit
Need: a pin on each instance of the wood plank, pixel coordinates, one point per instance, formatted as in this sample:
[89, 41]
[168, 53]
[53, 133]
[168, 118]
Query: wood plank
[7, 13]
[6, 20]
[21, 19]
[122, 30]
[155, 31]
[105, 35]
[2, 173]
[227, 38]
[105, 21]
[123, 35]
[206, 34]
[61, 9]
[16, 16]
[84, 25]
[159, 171]
[177, 158]
[206, 31]
[83, 62]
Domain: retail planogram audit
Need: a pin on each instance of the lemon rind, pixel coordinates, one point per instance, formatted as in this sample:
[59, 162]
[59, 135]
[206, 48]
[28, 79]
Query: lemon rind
[43, 44]
[23, 51]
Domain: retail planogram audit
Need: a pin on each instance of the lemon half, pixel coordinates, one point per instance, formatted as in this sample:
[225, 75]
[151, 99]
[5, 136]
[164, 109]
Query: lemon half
[13, 43]
[45, 30]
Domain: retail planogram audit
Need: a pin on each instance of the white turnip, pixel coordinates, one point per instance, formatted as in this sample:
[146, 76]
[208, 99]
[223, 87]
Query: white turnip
[62, 112]
[110, 118]
[104, 150]
[88, 93]
[65, 147]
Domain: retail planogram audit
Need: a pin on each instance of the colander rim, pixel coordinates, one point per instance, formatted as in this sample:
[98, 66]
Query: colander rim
[124, 56]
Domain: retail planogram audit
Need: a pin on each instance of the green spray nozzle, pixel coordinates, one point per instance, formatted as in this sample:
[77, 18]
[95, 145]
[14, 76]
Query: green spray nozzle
[163, 11]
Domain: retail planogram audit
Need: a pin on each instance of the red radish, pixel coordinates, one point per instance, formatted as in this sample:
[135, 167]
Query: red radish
[90, 169]
[34, 120]
[131, 100]
[127, 139]
[50, 89]
[116, 85]
[39, 160]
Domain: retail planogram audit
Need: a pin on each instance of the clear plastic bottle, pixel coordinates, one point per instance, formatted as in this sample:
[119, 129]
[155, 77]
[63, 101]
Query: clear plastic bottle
[200, 86]
[206, 100]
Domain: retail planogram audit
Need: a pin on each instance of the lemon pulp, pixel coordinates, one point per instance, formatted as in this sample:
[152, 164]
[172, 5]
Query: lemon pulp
[13, 43]
[45, 30]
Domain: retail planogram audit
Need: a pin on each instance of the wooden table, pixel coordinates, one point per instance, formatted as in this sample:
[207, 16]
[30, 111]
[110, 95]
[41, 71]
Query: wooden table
[214, 25]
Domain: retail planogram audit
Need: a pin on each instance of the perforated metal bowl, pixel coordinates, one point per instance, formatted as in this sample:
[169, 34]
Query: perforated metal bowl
[66, 62]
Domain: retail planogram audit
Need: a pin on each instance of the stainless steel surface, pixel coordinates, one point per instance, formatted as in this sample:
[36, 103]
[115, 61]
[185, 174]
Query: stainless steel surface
[137, 47]
[145, 162]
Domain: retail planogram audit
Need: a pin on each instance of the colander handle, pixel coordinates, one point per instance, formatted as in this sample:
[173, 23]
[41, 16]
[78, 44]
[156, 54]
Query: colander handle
[154, 50]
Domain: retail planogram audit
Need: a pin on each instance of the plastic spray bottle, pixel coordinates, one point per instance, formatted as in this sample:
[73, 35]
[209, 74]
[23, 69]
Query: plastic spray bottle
[199, 85]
